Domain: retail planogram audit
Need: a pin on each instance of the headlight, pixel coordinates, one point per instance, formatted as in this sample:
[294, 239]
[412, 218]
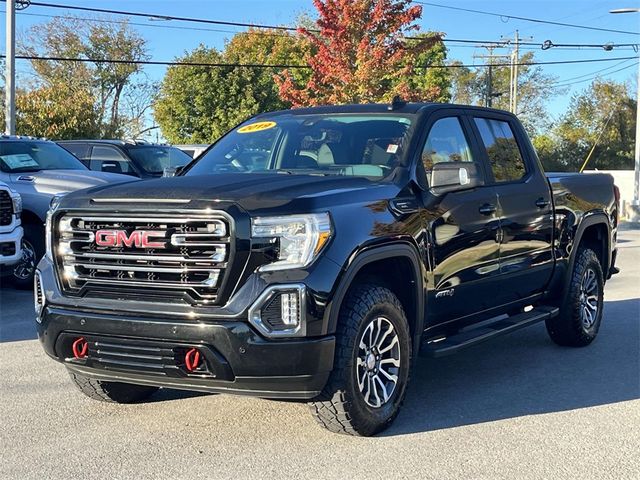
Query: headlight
[53, 206]
[301, 238]
[16, 199]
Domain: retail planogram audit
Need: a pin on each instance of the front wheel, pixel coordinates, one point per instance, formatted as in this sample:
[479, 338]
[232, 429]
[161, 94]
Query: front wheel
[113, 392]
[371, 367]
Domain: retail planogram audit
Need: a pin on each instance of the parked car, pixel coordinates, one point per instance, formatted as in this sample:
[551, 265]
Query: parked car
[136, 158]
[194, 150]
[10, 228]
[312, 254]
[39, 170]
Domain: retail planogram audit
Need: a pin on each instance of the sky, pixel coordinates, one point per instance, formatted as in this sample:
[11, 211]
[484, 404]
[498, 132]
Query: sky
[166, 43]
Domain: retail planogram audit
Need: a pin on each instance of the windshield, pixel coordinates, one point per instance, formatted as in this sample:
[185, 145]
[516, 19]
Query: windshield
[330, 144]
[154, 160]
[26, 156]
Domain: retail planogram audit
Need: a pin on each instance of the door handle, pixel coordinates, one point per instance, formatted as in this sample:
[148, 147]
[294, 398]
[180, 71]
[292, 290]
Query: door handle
[487, 209]
[542, 203]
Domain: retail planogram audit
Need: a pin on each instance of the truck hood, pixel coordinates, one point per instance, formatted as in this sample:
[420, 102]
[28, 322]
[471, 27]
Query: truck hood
[252, 191]
[53, 182]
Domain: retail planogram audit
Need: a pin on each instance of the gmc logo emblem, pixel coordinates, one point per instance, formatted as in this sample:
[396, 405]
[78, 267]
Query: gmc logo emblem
[137, 238]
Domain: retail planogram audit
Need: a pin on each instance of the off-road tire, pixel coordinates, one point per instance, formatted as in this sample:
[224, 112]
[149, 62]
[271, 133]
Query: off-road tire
[113, 392]
[567, 329]
[341, 407]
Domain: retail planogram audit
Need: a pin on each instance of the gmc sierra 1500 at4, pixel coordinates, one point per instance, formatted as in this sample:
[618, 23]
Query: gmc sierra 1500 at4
[312, 254]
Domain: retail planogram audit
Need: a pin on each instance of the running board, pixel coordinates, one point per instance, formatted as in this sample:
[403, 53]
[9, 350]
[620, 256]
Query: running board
[474, 336]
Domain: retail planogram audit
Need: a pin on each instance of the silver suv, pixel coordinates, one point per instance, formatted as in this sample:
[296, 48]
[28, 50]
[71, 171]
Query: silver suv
[39, 170]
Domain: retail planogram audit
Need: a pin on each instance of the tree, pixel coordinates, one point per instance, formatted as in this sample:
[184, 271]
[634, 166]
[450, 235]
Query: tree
[359, 54]
[535, 88]
[198, 104]
[601, 118]
[106, 83]
[433, 82]
[57, 111]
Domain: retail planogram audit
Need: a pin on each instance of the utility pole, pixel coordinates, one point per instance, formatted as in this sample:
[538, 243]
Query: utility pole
[10, 90]
[635, 203]
[515, 60]
[489, 93]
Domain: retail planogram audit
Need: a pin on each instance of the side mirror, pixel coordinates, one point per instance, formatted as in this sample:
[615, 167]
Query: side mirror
[111, 167]
[171, 171]
[451, 176]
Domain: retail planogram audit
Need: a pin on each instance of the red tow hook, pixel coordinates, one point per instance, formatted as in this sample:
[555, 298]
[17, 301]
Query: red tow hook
[192, 359]
[80, 348]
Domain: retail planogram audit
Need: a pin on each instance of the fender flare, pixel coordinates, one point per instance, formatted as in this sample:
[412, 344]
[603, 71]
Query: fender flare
[587, 221]
[373, 254]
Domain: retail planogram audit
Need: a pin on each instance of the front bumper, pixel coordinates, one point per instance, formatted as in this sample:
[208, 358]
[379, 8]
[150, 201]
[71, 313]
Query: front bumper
[11, 241]
[241, 361]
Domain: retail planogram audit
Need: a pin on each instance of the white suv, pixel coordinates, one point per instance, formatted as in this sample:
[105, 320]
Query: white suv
[10, 229]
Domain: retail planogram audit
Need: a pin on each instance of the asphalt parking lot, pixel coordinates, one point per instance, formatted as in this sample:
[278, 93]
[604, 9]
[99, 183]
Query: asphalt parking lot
[517, 407]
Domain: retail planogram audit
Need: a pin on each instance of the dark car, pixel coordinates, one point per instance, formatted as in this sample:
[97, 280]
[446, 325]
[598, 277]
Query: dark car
[314, 253]
[136, 158]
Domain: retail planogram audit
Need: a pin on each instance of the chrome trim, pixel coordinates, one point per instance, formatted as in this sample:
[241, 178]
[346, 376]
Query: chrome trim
[39, 297]
[141, 200]
[265, 296]
[157, 258]
[117, 218]
[143, 268]
[180, 239]
[155, 284]
[72, 257]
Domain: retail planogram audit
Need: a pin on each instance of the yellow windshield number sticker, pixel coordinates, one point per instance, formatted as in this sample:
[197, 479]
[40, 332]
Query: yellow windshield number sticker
[256, 127]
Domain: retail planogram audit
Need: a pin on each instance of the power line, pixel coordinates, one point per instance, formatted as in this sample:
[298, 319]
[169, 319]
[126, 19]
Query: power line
[138, 24]
[283, 66]
[159, 16]
[559, 85]
[593, 73]
[273, 27]
[527, 19]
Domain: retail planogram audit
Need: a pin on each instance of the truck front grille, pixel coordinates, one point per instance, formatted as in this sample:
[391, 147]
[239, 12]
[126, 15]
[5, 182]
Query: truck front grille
[6, 208]
[169, 258]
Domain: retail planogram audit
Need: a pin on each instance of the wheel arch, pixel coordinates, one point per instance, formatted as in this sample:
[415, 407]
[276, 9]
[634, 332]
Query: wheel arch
[594, 230]
[367, 264]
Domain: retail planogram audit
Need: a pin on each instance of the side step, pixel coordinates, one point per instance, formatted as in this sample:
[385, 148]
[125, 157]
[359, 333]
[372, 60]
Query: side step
[474, 336]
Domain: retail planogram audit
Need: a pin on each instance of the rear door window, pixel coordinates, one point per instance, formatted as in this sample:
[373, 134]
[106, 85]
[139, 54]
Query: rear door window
[109, 159]
[79, 150]
[502, 149]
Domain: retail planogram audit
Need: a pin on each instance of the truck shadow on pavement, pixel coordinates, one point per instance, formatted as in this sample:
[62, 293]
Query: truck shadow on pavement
[526, 374]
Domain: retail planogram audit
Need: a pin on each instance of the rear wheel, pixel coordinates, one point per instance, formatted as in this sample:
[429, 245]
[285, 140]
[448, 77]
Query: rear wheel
[113, 392]
[371, 367]
[581, 314]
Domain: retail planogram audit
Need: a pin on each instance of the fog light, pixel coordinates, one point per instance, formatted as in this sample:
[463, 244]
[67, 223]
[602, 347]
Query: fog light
[280, 311]
[290, 313]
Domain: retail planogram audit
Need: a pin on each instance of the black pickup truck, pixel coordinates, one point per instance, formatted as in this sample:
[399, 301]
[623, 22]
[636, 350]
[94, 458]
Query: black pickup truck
[312, 254]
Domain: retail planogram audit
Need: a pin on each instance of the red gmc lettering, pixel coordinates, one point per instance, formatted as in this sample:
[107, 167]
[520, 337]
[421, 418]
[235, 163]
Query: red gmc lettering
[120, 238]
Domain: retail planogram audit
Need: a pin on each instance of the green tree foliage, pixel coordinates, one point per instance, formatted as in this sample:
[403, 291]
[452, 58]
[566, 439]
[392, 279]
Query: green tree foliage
[198, 104]
[535, 89]
[102, 88]
[57, 111]
[603, 115]
[435, 82]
